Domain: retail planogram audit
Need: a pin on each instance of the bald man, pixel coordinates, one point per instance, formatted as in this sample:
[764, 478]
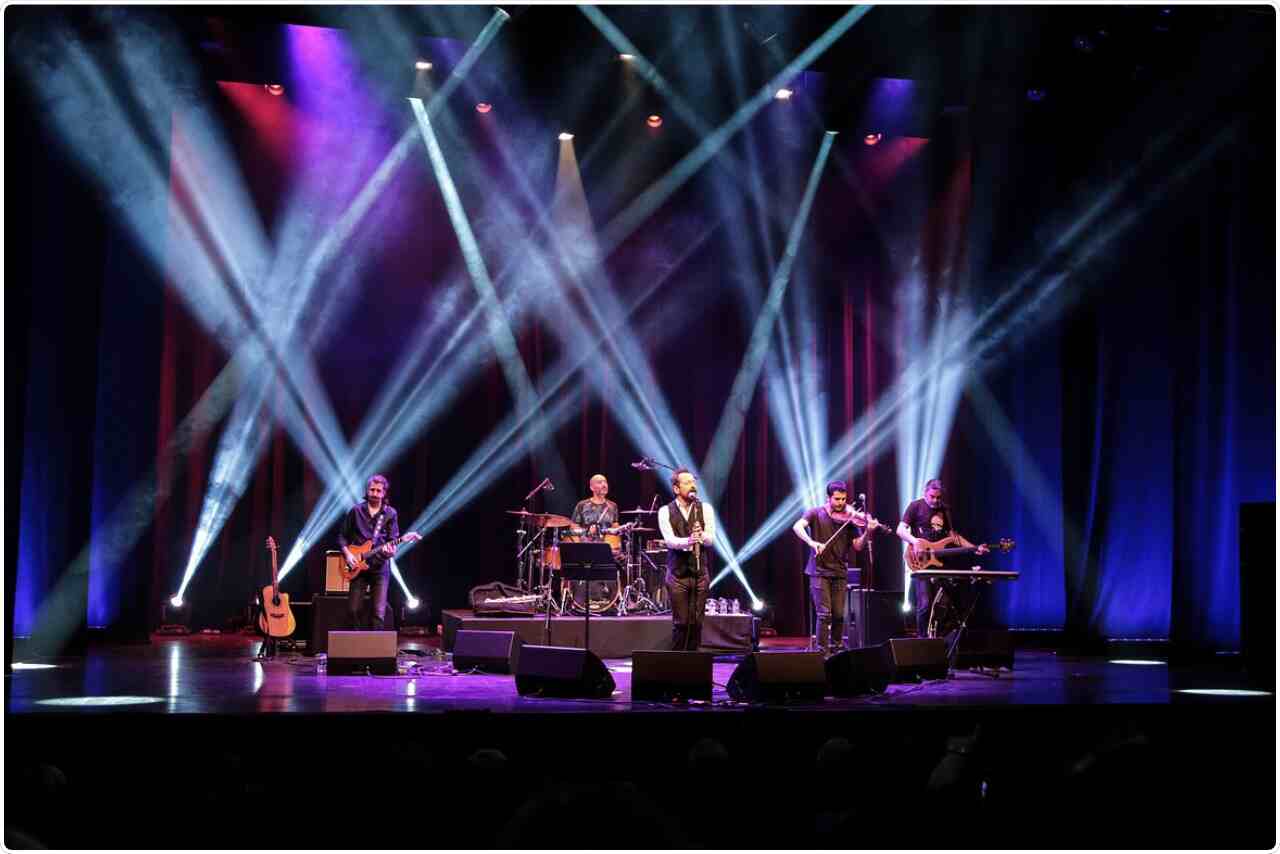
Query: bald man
[596, 513]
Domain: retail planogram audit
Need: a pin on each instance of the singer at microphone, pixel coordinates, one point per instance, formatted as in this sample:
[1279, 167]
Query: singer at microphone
[687, 525]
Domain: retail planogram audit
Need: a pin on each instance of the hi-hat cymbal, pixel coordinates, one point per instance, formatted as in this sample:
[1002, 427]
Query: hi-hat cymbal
[637, 512]
[522, 513]
[551, 520]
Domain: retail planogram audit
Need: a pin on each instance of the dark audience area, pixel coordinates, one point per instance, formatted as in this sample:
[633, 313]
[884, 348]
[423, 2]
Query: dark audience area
[1058, 777]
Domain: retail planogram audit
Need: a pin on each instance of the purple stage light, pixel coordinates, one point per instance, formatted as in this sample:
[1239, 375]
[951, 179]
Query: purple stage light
[654, 121]
[483, 107]
[1036, 95]
[873, 138]
[274, 88]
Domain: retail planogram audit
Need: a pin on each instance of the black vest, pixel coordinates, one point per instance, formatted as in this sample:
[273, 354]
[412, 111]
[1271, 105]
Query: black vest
[680, 562]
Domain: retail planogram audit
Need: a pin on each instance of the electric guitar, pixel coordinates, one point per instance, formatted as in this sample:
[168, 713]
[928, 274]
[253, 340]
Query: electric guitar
[275, 620]
[930, 556]
[365, 552]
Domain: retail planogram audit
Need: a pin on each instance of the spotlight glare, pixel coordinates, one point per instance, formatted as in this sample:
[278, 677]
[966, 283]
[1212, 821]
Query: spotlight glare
[757, 605]
[175, 601]
[626, 57]
[1136, 661]
[873, 138]
[1224, 692]
[783, 94]
[413, 603]
[565, 136]
[906, 607]
[483, 107]
[422, 65]
[22, 665]
[832, 132]
[274, 88]
[654, 121]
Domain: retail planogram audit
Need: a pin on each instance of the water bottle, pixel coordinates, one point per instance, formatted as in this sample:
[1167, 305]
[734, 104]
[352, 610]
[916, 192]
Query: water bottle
[322, 664]
[733, 607]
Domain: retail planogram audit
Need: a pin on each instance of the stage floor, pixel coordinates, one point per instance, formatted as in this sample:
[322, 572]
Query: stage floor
[217, 674]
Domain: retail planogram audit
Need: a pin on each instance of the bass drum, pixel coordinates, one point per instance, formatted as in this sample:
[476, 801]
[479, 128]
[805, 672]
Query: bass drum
[604, 596]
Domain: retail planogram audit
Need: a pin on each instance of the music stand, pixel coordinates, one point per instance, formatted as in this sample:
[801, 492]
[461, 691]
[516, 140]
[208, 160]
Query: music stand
[587, 562]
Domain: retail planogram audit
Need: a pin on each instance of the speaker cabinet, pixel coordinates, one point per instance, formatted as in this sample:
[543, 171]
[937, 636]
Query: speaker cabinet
[664, 676]
[1258, 593]
[855, 672]
[334, 582]
[492, 652]
[916, 659]
[876, 616]
[330, 612]
[356, 653]
[779, 677]
[562, 671]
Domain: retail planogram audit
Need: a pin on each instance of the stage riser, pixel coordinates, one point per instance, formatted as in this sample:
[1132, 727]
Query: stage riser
[611, 637]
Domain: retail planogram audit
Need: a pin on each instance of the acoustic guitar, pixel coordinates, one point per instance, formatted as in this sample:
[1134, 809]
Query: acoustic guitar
[275, 620]
[363, 554]
[931, 555]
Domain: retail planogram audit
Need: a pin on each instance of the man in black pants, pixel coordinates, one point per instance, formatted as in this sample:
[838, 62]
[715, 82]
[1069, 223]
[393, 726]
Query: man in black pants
[928, 520]
[370, 520]
[828, 564]
[688, 526]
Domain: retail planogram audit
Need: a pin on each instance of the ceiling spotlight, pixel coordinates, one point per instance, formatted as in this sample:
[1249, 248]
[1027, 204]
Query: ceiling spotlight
[626, 57]
[873, 138]
[783, 94]
[654, 121]
[483, 107]
[175, 601]
[422, 65]
[273, 88]
[832, 132]
[413, 603]
[565, 136]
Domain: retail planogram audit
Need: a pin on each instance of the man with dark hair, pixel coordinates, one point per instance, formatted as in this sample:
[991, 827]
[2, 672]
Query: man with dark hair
[824, 530]
[927, 520]
[370, 521]
[687, 525]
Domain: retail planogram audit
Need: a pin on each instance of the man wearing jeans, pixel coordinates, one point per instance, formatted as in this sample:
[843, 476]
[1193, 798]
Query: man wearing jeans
[372, 520]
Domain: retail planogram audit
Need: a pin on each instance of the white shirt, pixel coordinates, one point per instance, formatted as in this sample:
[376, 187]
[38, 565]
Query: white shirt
[685, 544]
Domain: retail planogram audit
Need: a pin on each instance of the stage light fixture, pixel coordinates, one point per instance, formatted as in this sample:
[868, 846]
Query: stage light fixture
[565, 136]
[413, 603]
[22, 665]
[783, 94]
[626, 57]
[1137, 661]
[274, 88]
[1224, 692]
[483, 107]
[832, 132]
[175, 601]
[873, 138]
[757, 605]
[422, 65]
[498, 10]
[654, 121]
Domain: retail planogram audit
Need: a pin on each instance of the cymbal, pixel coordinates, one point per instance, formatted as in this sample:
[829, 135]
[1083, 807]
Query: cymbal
[551, 520]
[637, 512]
[643, 530]
[523, 513]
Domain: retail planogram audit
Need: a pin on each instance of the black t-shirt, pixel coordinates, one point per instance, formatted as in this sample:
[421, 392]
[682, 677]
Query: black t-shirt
[833, 562]
[932, 523]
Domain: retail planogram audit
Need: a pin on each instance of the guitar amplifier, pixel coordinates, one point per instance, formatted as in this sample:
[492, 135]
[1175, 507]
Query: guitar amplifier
[333, 580]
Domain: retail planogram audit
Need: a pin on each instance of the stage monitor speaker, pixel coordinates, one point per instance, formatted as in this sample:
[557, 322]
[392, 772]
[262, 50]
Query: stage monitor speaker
[779, 677]
[361, 652]
[985, 648]
[1258, 593]
[329, 611]
[666, 675]
[334, 582]
[854, 672]
[915, 659]
[492, 652]
[562, 671]
[876, 616]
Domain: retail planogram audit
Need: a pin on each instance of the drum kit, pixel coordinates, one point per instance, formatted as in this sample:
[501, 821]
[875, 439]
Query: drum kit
[638, 588]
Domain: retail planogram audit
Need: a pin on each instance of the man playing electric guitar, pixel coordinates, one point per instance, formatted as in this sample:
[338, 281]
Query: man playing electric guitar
[375, 522]
[926, 521]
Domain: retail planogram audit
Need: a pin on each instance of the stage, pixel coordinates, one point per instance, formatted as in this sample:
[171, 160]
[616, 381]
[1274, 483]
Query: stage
[197, 716]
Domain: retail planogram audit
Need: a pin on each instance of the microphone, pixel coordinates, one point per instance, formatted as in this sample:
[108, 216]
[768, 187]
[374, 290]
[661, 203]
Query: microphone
[642, 465]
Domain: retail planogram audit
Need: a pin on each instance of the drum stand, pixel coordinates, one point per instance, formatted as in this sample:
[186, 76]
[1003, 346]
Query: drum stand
[634, 596]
